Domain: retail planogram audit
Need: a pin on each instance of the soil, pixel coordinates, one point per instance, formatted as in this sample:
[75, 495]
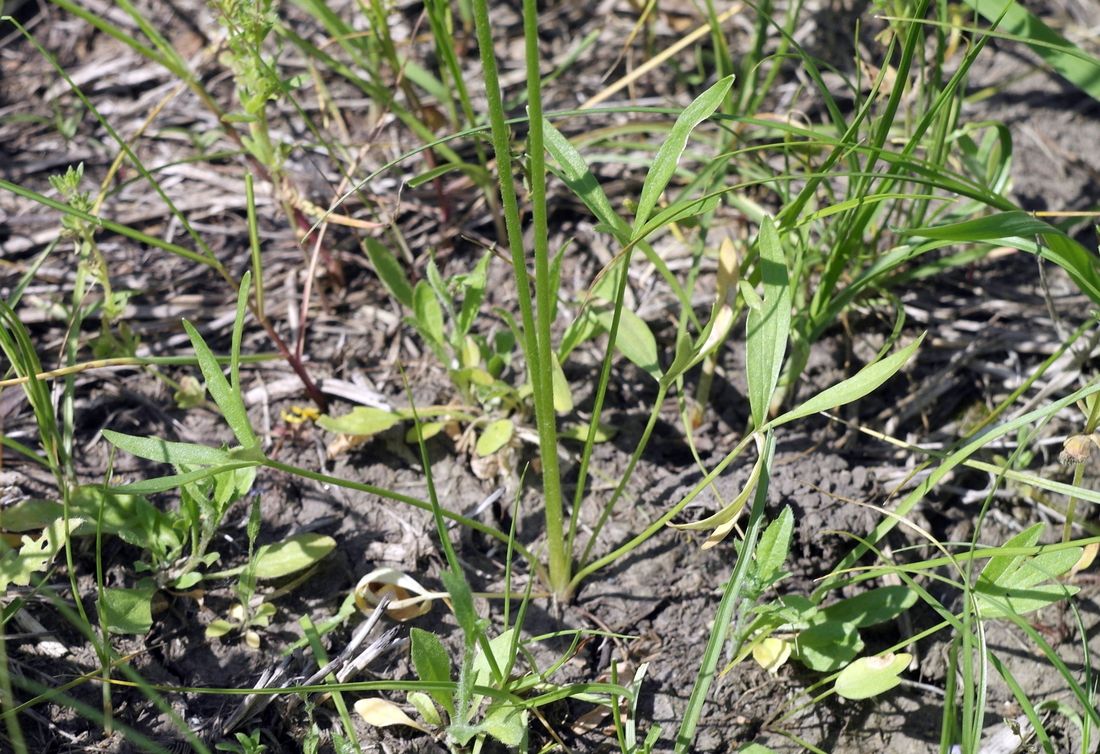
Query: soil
[989, 324]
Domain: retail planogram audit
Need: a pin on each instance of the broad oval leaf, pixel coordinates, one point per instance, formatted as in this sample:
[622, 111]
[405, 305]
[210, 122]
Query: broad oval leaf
[292, 555]
[382, 713]
[495, 436]
[506, 723]
[360, 421]
[873, 606]
[871, 676]
[634, 339]
[129, 611]
[432, 664]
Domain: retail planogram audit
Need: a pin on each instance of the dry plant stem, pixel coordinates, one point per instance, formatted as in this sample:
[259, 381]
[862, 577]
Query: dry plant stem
[1091, 423]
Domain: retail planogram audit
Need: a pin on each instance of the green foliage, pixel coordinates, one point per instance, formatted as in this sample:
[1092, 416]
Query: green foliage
[1009, 586]
[18, 565]
[245, 743]
[871, 676]
[129, 610]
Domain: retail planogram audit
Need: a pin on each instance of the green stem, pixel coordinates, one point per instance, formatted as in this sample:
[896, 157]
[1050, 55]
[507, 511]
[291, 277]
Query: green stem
[560, 559]
[659, 524]
[406, 499]
[538, 371]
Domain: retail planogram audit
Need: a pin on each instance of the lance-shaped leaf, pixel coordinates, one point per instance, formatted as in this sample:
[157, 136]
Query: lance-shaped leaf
[668, 156]
[164, 451]
[769, 324]
[228, 399]
[853, 388]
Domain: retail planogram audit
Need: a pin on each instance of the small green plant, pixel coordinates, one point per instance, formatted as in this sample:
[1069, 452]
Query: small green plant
[245, 743]
[459, 708]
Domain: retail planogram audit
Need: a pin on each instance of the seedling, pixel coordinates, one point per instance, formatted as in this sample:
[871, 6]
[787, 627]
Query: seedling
[246, 743]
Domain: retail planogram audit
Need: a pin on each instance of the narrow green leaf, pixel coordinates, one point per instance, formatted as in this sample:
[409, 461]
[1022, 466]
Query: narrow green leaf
[1074, 64]
[165, 483]
[389, 271]
[228, 399]
[997, 602]
[462, 601]
[473, 288]
[775, 544]
[574, 171]
[668, 156]
[999, 565]
[988, 228]
[429, 314]
[563, 394]
[177, 453]
[769, 326]
[238, 334]
[853, 388]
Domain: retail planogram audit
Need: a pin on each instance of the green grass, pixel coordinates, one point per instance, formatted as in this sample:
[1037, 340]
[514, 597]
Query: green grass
[884, 187]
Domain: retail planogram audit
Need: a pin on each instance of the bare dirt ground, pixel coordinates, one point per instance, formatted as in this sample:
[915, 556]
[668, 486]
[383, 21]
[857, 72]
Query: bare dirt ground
[989, 325]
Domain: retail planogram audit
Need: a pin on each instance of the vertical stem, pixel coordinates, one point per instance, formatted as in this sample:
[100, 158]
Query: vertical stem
[538, 371]
[560, 557]
[7, 699]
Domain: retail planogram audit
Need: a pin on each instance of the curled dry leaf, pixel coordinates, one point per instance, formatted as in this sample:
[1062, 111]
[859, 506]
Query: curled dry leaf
[410, 599]
[382, 713]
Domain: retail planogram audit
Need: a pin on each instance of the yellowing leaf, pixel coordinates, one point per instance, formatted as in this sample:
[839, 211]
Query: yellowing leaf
[771, 654]
[382, 713]
[871, 676]
[563, 394]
